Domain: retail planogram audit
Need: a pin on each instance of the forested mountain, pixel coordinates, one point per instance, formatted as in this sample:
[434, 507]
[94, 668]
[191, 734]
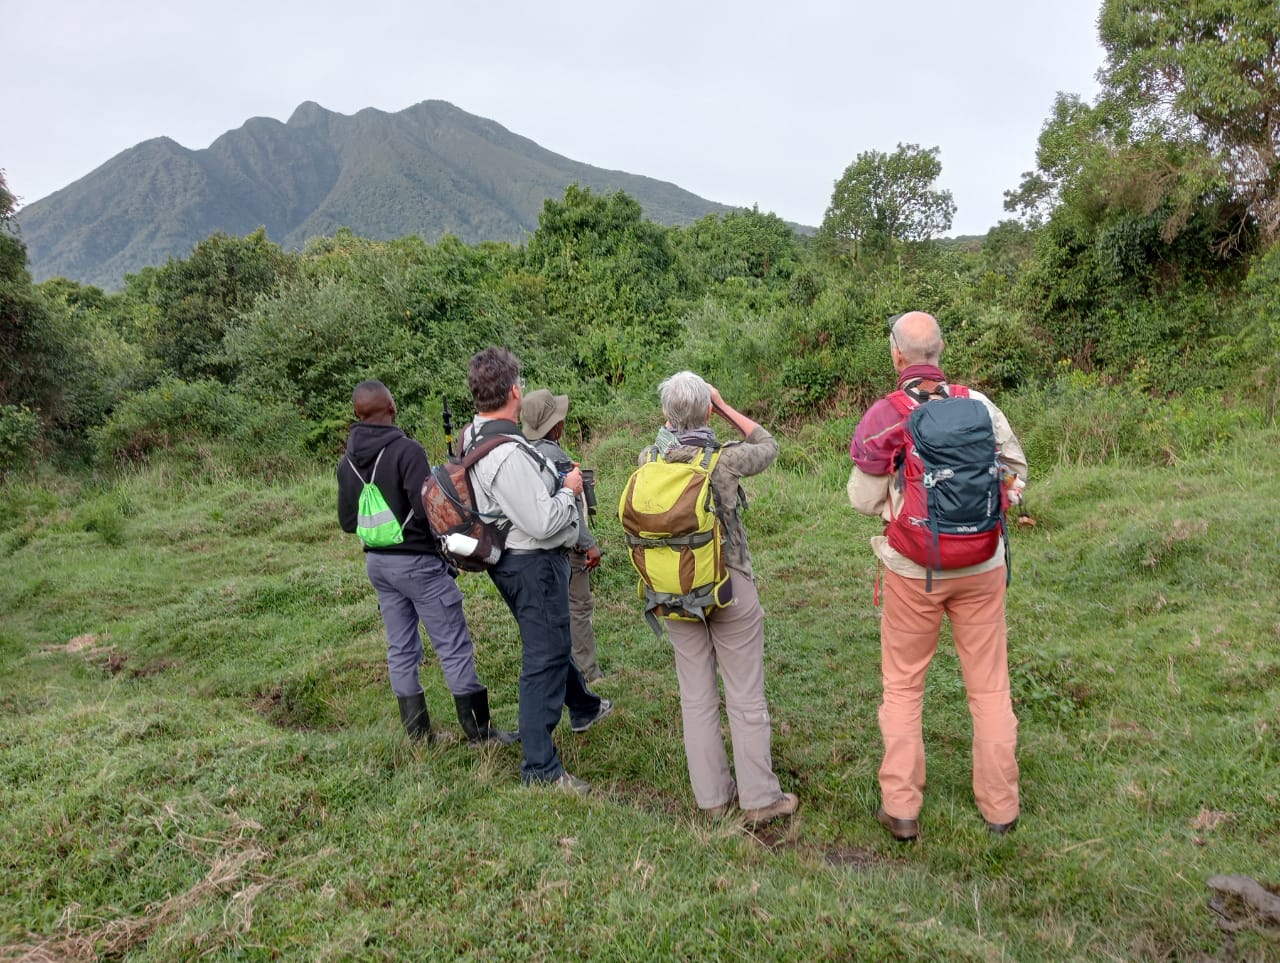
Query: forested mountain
[428, 170]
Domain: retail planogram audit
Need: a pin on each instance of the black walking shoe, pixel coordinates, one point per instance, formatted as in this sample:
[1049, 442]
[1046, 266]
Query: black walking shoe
[606, 707]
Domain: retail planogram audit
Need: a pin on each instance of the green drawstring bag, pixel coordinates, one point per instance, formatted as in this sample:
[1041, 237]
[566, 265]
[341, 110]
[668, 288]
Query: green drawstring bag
[375, 522]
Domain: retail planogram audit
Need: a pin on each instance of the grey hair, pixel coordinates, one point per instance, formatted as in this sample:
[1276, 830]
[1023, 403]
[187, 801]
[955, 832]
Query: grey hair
[915, 346]
[686, 399]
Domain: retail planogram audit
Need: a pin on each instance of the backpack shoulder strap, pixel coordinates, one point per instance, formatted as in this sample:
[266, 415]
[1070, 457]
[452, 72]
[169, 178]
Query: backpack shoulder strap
[374, 473]
[355, 471]
[478, 451]
[925, 389]
[902, 401]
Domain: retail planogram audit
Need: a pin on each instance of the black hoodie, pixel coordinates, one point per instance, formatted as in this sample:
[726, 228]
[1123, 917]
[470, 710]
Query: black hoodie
[401, 473]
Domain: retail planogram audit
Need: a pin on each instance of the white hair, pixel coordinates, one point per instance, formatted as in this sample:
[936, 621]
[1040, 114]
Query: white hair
[686, 399]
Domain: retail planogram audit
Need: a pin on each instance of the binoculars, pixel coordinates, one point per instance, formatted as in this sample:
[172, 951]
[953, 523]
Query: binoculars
[589, 490]
[588, 484]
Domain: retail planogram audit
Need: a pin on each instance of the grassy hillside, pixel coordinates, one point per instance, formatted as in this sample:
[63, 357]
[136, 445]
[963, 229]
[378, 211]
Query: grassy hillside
[200, 755]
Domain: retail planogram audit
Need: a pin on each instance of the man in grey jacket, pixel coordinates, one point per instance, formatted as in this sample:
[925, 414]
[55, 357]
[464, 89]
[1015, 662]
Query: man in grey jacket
[542, 416]
[532, 575]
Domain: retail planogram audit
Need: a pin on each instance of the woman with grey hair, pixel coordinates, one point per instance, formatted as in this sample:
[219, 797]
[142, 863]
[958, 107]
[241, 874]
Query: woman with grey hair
[731, 640]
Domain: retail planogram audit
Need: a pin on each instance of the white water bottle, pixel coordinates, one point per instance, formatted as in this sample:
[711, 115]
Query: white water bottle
[463, 546]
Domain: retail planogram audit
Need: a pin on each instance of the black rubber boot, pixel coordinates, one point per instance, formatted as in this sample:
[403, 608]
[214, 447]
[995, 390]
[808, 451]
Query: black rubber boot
[414, 717]
[473, 714]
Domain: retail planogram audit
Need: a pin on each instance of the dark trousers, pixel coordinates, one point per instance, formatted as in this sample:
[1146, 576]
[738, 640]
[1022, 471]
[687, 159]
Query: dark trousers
[535, 586]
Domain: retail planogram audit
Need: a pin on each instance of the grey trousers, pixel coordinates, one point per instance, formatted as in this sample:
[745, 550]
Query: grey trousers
[732, 641]
[581, 607]
[415, 589]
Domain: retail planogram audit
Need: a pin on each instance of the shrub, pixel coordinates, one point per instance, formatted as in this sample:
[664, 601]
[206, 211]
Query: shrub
[999, 351]
[203, 419]
[1254, 352]
[105, 516]
[19, 434]
[1078, 419]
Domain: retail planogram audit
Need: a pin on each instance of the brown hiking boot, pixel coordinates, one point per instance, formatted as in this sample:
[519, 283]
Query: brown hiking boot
[903, 830]
[785, 806]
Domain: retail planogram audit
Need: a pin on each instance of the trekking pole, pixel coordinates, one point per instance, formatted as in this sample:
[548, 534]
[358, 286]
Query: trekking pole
[447, 417]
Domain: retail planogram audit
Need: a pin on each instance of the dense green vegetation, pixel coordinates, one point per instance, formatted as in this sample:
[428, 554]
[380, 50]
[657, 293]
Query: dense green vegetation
[200, 755]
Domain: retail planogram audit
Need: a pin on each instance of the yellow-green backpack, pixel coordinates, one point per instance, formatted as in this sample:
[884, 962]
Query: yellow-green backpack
[676, 538]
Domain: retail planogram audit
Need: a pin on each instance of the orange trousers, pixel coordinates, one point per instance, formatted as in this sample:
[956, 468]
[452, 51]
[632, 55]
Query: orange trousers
[909, 625]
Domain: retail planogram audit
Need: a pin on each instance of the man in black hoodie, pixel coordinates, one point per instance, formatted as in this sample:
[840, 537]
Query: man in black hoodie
[414, 584]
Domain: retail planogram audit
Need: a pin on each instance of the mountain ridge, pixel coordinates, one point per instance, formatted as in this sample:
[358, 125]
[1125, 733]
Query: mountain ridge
[431, 169]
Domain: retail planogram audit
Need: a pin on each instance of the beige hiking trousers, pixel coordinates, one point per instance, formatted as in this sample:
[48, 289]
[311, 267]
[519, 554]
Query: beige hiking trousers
[732, 641]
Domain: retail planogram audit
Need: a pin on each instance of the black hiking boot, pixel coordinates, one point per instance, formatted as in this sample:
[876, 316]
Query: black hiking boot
[414, 717]
[473, 715]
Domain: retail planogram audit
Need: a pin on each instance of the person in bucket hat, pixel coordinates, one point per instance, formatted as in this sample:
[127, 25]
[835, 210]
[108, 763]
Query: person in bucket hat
[542, 417]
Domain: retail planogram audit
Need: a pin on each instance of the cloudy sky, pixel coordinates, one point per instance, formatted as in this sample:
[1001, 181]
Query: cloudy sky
[745, 102]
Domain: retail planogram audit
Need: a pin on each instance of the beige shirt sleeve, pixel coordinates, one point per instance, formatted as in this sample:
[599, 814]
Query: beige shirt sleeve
[869, 494]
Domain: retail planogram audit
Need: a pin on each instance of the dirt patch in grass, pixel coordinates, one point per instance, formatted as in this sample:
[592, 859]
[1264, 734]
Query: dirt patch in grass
[852, 857]
[158, 667]
[271, 705]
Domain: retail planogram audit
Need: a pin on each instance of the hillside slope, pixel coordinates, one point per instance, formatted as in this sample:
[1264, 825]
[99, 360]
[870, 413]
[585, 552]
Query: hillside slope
[428, 170]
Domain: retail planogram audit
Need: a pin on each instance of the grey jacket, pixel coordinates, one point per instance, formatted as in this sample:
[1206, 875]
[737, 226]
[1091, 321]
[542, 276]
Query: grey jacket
[559, 458]
[524, 487]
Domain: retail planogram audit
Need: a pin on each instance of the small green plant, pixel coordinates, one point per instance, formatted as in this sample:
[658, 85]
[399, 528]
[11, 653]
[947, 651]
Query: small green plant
[19, 434]
[104, 516]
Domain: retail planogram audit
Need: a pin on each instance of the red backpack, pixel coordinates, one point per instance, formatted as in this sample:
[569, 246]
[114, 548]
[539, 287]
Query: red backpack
[948, 471]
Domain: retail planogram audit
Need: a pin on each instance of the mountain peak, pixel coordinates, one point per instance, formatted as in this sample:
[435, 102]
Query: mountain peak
[429, 170]
[306, 113]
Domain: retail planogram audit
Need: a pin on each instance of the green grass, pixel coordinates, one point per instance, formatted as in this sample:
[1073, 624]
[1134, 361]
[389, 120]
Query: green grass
[200, 754]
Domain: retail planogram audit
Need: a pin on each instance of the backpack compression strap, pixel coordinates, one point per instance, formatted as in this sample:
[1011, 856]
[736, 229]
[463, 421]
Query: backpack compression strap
[906, 400]
[474, 453]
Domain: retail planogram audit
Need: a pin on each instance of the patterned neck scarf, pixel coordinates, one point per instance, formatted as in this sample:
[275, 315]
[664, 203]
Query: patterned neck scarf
[695, 437]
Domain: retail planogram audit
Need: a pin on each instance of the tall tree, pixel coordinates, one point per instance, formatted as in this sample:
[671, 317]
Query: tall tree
[882, 198]
[611, 276]
[741, 243]
[32, 354]
[15, 297]
[1211, 67]
[194, 302]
